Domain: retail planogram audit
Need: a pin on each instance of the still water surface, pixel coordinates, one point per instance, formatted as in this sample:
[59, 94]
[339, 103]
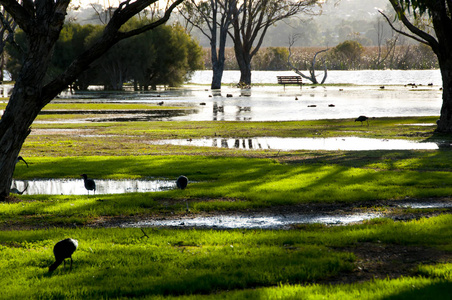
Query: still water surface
[286, 144]
[363, 77]
[256, 222]
[76, 186]
[276, 103]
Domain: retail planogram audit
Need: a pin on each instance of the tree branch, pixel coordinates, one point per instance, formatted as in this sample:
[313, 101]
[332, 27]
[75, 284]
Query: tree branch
[22, 16]
[423, 37]
[402, 32]
[152, 25]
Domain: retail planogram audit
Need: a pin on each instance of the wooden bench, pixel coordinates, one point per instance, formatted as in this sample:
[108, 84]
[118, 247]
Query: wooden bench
[290, 80]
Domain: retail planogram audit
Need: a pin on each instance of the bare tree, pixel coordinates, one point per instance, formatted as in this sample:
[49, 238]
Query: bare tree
[312, 77]
[212, 18]
[42, 21]
[251, 20]
[390, 44]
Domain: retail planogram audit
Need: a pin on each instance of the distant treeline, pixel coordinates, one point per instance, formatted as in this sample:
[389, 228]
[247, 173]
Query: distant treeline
[348, 55]
[166, 56]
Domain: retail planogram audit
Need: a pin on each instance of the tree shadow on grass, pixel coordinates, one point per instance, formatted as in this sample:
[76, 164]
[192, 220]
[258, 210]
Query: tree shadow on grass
[439, 290]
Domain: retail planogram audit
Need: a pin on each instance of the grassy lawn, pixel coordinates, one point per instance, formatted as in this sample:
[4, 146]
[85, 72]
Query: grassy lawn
[235, 264]
[305, 262]
[233, 183]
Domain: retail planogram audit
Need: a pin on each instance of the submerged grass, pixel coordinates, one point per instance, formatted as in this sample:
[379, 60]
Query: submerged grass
[118, 263]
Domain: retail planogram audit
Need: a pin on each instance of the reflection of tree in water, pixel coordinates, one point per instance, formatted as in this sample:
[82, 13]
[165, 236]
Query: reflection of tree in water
[237, 143]
[245, 110]
[218, 110]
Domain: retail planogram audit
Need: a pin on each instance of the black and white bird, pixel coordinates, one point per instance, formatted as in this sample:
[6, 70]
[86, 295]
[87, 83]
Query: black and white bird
[62, 250]
[90, 185]
[182, 182]
[362, 119]
[20, 158]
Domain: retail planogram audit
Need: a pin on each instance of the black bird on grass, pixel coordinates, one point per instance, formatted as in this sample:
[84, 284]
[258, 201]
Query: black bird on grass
[182, 182]
[90, 185]
[62, 250]
[362, 119]
[20, 158]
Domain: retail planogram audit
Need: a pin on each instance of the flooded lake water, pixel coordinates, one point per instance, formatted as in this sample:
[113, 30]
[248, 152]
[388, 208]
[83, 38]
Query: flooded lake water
[276, 103]
[361, 77]
[287, 144]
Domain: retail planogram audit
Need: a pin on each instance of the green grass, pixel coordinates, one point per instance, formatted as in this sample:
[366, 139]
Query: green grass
[230, 183]
[135, 138]
[378, 128]
[402, 288]
[116, 263]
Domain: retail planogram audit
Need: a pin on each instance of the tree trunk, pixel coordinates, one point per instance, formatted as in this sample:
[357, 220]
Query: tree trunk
[445, 121]
[23, 107]
[244, 62]
[217, 69]
[218, 60]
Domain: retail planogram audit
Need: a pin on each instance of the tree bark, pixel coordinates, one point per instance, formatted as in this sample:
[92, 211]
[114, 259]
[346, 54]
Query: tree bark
[244, 62]
[445, 120]
[217, 69]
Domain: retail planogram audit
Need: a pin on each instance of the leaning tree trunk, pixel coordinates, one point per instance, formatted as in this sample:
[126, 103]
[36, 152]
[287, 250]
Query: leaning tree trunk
[445, 121]
[25, 103]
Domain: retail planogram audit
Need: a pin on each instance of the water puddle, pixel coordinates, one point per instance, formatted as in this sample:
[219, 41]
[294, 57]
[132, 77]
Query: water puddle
[76, 186]
[426, 205]
[255, 222]
[286, 144]
[279, 220]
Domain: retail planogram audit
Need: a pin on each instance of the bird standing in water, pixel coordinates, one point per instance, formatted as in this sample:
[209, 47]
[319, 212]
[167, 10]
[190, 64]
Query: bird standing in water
[182, 182]
[90, 185]
[62, 250]
[362, 119]
[15, 190]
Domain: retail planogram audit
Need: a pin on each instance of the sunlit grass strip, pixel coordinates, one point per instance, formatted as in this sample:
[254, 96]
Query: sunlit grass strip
[217, 183]
[114, 263]
[402, 288]
[253, 178]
